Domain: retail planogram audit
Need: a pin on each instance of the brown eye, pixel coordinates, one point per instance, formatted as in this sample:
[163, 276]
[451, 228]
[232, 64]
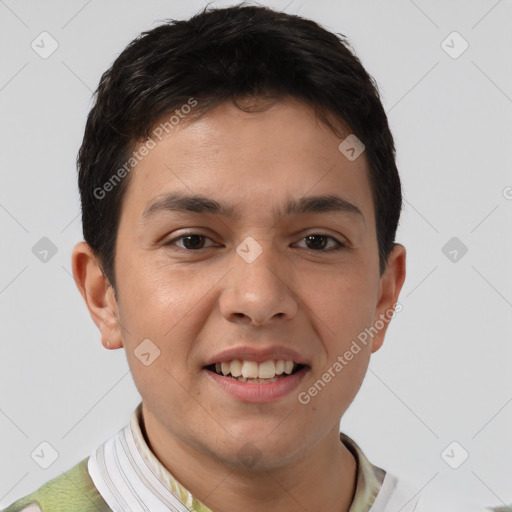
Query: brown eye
[191, 242]
[318, 242]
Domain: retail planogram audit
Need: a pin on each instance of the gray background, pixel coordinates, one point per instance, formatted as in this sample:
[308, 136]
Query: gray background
[444, 373]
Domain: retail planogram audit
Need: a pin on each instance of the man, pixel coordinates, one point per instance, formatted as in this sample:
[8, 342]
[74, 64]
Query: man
[240, 201]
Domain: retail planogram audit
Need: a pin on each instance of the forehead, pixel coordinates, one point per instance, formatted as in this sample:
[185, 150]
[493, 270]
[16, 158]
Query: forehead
[250, 159]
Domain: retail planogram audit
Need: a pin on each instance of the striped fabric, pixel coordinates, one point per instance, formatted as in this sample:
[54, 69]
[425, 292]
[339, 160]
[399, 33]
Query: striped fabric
[130, 478]
[123, 475]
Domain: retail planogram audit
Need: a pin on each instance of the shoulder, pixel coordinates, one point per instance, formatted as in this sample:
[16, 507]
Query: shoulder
[71, 491]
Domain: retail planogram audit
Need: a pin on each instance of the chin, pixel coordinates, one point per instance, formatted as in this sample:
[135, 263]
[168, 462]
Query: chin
[257, 451]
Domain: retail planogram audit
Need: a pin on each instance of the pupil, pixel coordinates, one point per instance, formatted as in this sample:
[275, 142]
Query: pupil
[187, 239]
[316, 245]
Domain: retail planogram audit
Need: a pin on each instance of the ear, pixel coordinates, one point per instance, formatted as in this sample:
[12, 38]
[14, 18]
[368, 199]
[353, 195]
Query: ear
[391, 283]
[98, 294]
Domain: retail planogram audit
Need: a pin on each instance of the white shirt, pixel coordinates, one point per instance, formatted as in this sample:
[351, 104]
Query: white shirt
[131, 479]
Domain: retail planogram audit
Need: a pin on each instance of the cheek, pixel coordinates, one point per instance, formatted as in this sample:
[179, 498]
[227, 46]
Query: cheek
[153, 295]
[344, 304]
[343, 374]
[167, 306]
[345, 311]
[332, 391]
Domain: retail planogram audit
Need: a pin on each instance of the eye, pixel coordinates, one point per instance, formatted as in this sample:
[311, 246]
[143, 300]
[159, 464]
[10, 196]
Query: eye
[191, 241]
[315, 241]
[318, 242]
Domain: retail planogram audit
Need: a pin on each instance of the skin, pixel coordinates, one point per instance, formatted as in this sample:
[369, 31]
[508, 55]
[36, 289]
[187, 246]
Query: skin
[194, 304]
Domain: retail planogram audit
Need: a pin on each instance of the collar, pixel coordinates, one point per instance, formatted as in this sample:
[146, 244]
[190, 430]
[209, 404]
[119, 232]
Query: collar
[130, 478]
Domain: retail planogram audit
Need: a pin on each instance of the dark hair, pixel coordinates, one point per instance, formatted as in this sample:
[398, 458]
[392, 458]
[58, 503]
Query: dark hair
[222, 55]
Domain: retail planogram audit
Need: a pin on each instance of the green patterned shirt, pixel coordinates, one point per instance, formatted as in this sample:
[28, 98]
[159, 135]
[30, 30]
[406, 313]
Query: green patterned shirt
[124, 475]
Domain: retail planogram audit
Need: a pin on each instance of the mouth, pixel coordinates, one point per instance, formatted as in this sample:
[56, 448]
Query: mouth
[257, 374]
[252, 372]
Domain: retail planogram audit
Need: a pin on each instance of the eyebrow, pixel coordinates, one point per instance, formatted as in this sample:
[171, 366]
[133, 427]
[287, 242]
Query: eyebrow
[197, 203]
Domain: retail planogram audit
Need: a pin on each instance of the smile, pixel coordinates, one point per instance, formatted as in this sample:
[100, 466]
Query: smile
[250, 381]
[253, 372]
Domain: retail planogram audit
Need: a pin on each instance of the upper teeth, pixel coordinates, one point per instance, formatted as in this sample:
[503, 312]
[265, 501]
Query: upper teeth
[253, 370]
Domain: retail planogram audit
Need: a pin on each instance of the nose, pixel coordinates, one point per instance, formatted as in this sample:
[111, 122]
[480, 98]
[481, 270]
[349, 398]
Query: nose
[258, 292]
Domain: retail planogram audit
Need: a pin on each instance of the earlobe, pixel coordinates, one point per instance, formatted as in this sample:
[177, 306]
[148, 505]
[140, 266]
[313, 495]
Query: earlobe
[391, 283]
[97, 294]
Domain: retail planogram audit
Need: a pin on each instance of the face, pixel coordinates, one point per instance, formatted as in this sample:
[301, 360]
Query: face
[256, 270]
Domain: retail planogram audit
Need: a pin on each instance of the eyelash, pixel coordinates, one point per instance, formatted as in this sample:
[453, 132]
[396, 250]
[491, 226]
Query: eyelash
[339, 245]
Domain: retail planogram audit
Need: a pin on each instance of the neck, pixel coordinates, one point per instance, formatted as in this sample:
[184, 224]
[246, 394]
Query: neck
[323, 479]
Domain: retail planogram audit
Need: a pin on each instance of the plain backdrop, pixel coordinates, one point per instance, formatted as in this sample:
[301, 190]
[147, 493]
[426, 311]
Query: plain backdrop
[444, 373]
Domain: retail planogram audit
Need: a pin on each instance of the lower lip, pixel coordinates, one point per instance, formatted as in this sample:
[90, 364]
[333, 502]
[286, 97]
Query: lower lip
[259, 391]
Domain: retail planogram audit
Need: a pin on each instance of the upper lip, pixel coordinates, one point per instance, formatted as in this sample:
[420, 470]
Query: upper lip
[259, 355]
